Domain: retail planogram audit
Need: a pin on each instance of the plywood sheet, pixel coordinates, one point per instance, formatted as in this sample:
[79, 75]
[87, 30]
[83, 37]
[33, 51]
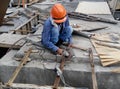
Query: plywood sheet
[3, 7]
[7, 40]
[89, 7]
[109, 55]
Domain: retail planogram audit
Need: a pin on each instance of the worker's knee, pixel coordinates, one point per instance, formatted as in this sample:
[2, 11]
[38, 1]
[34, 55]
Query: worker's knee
[69, 29]
[54, 35]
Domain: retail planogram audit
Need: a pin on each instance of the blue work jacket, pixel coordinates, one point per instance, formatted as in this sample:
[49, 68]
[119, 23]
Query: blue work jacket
[49, 27]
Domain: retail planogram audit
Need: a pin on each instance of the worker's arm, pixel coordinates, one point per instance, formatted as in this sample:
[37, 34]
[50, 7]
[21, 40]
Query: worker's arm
[67, 32]
[46, 38]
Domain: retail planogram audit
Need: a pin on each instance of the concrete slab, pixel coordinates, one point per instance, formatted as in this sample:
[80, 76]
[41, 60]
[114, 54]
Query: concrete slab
[77, 72]
[32, 86]
[7, 40]
[89, 7]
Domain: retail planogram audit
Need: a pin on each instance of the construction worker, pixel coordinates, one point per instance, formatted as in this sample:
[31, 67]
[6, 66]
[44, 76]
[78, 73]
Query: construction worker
[57, 29]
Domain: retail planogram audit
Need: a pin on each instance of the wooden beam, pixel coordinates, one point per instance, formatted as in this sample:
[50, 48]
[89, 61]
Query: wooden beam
[23, 61]
[57, 79]
[95, 86]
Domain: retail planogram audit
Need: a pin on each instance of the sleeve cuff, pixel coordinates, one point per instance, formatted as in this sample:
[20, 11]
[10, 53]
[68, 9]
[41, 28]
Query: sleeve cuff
[55, 49]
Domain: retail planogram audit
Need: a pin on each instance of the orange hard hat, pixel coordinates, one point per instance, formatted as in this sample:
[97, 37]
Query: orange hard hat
[58, 13]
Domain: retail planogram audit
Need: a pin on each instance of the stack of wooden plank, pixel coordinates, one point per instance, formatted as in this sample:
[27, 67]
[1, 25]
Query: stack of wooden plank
[107, 47]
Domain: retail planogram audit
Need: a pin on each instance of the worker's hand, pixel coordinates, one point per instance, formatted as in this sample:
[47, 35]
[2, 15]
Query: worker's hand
[70, 45]
[60, 51]
[65, 53]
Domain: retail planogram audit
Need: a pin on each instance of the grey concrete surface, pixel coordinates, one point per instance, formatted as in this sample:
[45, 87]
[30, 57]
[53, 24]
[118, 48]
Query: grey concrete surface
[42, 73]
[33, 86]
[77, 72]
[16, 21]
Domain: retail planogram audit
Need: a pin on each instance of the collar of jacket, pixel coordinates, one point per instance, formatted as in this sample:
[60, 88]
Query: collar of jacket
[53, 23]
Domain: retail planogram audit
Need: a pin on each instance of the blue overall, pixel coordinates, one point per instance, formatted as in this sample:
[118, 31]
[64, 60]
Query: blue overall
[52, 33]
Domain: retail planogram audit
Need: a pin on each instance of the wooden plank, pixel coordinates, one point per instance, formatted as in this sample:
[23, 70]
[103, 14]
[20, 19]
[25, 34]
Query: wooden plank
[23, 61]
[109, 55]
[94, 80]
[57, 79]
[7, 40]
[116, 70]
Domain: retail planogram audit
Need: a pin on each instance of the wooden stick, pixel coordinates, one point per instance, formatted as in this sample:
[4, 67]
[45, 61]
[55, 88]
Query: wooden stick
[107, 60]
[110, 63]
[13, 16]
[19, 3]
[74, 46]
[8, 23]
[57, 80]
[23, 3]
[95, 86]
[1, 85]
[23, 61]
[109, 45]
[116, 70]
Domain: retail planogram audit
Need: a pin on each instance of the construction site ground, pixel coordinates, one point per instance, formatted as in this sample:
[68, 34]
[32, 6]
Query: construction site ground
[41, 68]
